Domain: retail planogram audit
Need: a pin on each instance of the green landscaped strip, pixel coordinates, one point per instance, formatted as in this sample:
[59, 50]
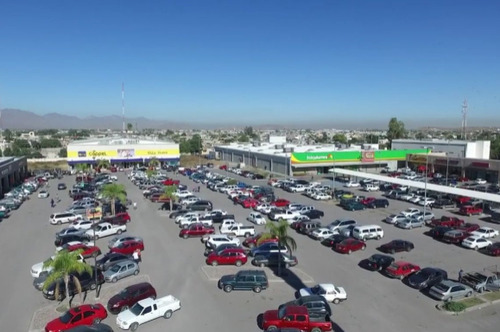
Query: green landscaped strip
[471, 301]
[492, 296]
[350, 156]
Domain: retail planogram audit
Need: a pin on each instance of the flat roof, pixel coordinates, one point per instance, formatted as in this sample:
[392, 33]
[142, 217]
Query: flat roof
[270, 148]
[119, 141]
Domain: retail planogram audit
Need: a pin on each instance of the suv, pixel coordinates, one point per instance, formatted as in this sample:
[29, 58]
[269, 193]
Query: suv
[130, 296]
[378, 203]
[255, 280]
[307, 227]
[86, 281]
[63, 217]
[340, 224]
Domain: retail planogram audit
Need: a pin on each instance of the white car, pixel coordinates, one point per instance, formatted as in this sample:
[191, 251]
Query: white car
[395, 218]
[38, 268]
[415, 199]
[183, 193]
[426, 201]
[322, 197]
[82, 224]
[264, 208]
[43, 194]
[352, 184]
[480, 181]
[321, 233]
[410, 212]
[189, 200]
[213, 241]
[186, 216]
[330, 292]
[485, 232]
[257, 218]
[476, 242]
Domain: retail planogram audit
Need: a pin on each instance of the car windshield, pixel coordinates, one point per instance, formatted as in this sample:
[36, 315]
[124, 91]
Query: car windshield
[115, 268]
[136, 309]
[66, 318]
[124, 293]
[442, 287]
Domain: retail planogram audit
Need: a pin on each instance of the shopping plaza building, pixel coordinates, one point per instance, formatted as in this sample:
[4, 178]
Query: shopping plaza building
[124, 152]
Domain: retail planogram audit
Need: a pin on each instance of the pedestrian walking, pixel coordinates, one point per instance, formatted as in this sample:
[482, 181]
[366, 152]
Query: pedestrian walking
[430, 206]
[460, 275]
[198, 188]
[52, 202]
[137, 256]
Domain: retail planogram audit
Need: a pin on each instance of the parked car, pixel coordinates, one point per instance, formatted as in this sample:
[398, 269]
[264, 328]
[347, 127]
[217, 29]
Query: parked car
[401, 269]
[410, 223]
[111, 258]
[378, 203]
[115, 241]
[129, 296]
[455, 236]
[252, 241]
[61, 186]
[397, 246]
[350, 245]
[274, 258]
[233, 256]
[476, 242]
[292, 316]
[86, 281]
[86, 314]
[43, 194]
[394, 218]
[316, 305]
[448, 290]
[446, 221]
[353, 205]
[427, 277]
[494, 249]
[333, 240]
[267, 248]
[469, 210]
[378, 262]
[255, 280]
[128, 247]
[121, 270]
[485, 232]
[330, 292]
[196, 230]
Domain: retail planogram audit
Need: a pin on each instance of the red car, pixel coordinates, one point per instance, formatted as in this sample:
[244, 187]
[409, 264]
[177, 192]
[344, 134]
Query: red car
[196, 230]
[401, 269]
[494, 249]
[223, 167]
[367, 200]
[171, 182]
[462, 200]
[455, 236]
[231, 256]
[469, 227]
[120, 218]
[249, 203]
[254, 241]
[280, 202]
[349, 245]
[447, 222]
[469, 210]
[87, 314]
[88, 251]
[128, 247]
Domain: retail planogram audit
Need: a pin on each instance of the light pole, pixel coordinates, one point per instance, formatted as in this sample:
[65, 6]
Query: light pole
[95, 257]
[447, 165]
[426, 176]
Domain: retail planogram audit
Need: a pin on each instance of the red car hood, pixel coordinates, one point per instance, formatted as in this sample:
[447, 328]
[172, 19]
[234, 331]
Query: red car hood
[270, 315]
[55, 326]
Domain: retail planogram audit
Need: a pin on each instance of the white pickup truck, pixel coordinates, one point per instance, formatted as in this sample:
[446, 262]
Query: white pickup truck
[240, 230]
[185, 223]
[106, 229]
[146, 310]
[287, 215]
[226, 224]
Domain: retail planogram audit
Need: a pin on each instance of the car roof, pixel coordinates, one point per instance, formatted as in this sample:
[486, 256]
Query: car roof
[138, 286]
[327, 287]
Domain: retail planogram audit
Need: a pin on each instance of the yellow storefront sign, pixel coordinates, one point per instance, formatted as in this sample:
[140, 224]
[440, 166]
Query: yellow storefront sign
[161, 152]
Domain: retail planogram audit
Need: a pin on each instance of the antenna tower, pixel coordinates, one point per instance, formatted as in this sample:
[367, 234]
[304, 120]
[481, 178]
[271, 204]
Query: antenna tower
[123, 108]
[464, 119]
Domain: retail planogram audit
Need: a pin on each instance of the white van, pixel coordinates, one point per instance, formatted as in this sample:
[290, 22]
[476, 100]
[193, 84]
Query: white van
[63, 218]
[366, 232]
[370, 187]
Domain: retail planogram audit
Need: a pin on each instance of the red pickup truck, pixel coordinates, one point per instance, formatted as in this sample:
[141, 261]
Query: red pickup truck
[446, 221]
[469, 210]
[294, 317]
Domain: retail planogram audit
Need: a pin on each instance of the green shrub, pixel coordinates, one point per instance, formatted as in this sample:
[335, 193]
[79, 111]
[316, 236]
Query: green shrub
[454, 306]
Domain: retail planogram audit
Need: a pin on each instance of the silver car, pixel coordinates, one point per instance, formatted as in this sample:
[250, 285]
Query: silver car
[448, 290]
[121, 270]
[410, 223]
[115, 241]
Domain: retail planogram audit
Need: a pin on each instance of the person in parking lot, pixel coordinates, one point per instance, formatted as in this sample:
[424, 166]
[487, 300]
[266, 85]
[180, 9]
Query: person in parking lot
[52, 204]
[137, 256]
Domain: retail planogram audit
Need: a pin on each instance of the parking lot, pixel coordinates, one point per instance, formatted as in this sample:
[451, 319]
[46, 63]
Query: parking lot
[176, 266]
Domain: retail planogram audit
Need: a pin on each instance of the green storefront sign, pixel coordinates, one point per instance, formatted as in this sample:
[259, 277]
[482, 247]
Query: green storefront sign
[351, 156]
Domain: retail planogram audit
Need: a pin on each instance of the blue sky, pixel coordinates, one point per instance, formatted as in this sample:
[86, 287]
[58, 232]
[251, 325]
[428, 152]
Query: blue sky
[255, 61]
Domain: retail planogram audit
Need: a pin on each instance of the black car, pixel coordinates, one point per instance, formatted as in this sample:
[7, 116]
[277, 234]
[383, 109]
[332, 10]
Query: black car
[200, 206]
[61, 186]
[397, 246]
[257, 176]
[166, 206]
[273, 259]
[94, 328]
[378, 203]
[110, 259]
[333, 240]
[444, 203]
[87, 282]
[378, 262]
[427, 277]
[439, 231]
[61, 240]
[315, 304]
[314, 214]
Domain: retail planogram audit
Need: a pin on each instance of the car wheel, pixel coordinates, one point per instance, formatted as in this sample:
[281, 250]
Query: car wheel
[449, 299]
[363, 247]
[480, 290]
[168, 314]
[349, 252]
[228, 288]
[93, 286]
[136, 272]
[476, 248]
[468, 294]
[316, 329]
[262, 265]
[287, 266]
[97, 237]
[238, 263]
[59, 222]
[124, 308]
[185, 236]
[119, 231]
[272, 328]
[184, 226]
[96, 321]
[257, 289]
[134, 326]
[114, 280]
[215, 263]
[393, 251]
[336, 301]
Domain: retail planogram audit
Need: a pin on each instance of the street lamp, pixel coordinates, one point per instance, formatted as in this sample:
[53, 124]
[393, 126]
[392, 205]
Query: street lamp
[426, 176]
[95, 257]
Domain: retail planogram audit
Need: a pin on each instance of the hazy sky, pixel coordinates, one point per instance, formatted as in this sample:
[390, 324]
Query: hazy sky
[254, 61]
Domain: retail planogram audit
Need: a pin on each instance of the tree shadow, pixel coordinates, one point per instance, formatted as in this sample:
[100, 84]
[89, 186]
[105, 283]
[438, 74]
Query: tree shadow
[289, 277]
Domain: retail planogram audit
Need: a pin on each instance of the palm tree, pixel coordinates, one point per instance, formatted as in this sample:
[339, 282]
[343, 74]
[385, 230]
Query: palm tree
[82, 168]
[113, 192]
[63, 266]
[103, 163]
[170, 194]
[280, 231]
[153, 163]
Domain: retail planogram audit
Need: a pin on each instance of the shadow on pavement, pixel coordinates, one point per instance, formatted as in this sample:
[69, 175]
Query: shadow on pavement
[289, 277]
